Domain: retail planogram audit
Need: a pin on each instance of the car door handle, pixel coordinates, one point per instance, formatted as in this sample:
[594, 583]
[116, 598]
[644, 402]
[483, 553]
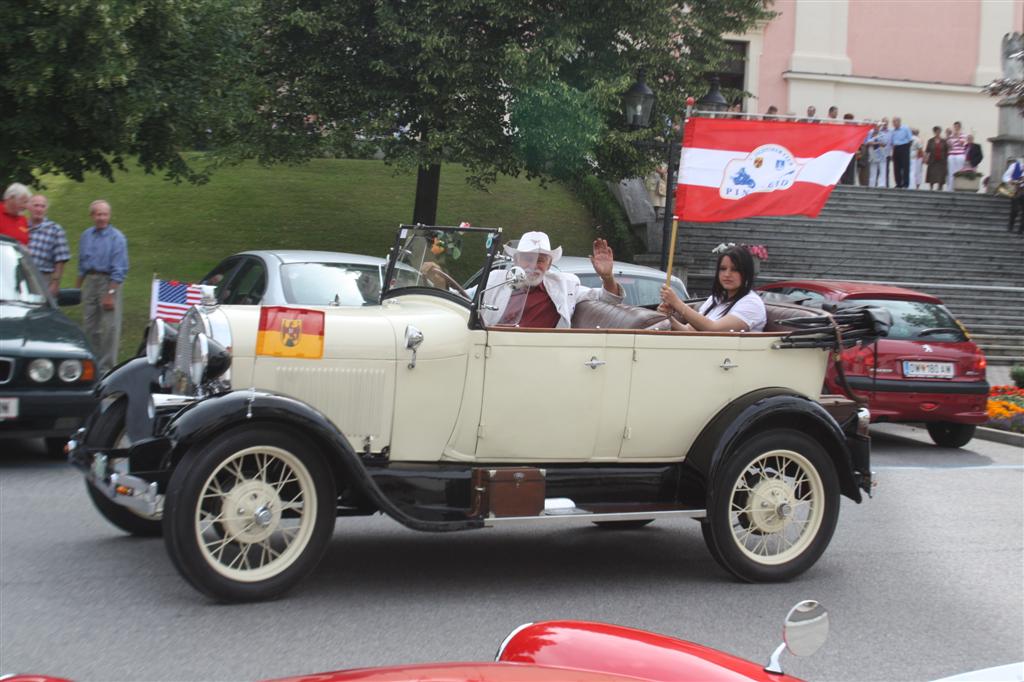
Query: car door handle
[727, 364]
[594, 363]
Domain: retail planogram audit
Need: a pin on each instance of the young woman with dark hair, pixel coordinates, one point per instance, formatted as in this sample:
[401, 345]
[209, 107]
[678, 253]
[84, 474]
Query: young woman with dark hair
[732, 305]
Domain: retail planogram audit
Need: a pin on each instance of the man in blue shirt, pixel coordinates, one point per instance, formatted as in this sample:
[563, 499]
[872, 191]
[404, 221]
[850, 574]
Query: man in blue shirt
[901, 138]
[102, 267]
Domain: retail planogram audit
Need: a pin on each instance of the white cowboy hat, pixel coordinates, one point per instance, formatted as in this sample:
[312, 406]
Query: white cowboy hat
[534, 242]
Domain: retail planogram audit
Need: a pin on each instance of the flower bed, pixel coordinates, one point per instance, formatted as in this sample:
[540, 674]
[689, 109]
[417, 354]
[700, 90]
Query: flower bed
[1006, 408]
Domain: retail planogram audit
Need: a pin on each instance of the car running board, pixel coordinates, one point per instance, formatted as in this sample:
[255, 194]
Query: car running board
[562, 510]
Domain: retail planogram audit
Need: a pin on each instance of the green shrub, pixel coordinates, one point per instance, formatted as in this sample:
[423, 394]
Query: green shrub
[1017, 374]
[612, 224]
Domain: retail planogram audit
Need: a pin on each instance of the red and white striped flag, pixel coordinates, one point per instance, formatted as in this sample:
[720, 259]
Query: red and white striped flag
[731, 169]
[170, 300]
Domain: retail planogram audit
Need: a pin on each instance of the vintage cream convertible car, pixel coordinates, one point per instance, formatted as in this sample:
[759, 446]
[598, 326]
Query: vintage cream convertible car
[241, 437]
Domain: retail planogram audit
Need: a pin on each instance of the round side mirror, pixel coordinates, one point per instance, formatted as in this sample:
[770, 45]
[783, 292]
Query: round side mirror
[806, 628]
[515, 275]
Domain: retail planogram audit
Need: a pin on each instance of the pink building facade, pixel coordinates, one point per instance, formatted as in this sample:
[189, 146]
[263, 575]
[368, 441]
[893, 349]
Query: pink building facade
[921, 60]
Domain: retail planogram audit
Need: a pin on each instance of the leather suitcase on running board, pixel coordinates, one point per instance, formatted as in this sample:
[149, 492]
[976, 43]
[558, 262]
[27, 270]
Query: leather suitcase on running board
[509, 491]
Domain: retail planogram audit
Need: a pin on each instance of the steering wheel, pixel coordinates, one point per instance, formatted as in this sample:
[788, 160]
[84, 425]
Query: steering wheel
[449, 280]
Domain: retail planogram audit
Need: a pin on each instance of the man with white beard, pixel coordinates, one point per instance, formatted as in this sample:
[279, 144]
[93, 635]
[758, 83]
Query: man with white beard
[547, 298]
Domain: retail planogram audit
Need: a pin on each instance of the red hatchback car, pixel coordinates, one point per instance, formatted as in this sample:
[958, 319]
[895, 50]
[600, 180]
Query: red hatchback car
[927, 369]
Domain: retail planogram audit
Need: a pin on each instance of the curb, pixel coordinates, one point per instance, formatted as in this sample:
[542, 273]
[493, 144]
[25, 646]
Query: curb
[1000, 436]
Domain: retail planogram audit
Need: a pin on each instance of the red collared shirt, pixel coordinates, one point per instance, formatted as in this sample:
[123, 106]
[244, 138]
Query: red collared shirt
[538, 310]
[14, 226]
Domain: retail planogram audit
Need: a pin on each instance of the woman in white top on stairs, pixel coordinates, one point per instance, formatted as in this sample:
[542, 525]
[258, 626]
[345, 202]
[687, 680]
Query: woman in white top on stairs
[732, 305]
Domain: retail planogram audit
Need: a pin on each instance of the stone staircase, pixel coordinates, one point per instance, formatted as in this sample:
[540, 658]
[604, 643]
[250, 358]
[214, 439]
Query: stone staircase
[949, 244]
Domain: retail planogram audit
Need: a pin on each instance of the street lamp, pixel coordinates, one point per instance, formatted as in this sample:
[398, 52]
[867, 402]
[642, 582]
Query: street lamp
[638, 103]
[714, 101]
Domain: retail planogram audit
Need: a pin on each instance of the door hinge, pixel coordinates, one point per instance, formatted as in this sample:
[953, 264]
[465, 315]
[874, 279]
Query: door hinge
[627, 433]
[487, 351]
[480, 431]
[636, 355]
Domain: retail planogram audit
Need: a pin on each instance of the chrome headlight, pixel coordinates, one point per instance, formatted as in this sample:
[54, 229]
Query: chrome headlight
[210, 360]
[40, 370]
[70, 370]
[200, 359]
[160, 342]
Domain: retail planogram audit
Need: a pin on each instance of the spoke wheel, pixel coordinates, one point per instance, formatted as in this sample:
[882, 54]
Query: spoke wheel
[255, 514]
[109, 431]
[250, 515]
[773, 507]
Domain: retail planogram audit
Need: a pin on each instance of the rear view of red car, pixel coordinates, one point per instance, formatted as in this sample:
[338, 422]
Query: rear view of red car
[927, 370]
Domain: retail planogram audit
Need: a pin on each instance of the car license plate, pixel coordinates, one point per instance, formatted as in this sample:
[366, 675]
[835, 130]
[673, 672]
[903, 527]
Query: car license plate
[928, 370]
[8, 408]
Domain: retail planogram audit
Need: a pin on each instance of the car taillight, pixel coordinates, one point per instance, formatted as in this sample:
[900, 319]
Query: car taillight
[859, 360]
[976, 365]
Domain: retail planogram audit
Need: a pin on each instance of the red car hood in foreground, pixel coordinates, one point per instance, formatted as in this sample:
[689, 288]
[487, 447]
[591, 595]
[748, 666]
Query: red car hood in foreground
[630, 652]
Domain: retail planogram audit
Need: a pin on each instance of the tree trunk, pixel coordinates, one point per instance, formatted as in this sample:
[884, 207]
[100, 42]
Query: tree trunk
[428, 180]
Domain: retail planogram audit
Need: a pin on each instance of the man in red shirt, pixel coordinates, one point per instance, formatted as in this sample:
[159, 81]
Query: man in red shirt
[13, 222]
[546, 298]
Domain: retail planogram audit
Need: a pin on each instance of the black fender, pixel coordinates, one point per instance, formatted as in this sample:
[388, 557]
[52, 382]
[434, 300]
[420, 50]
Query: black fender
[757, 411]
[135, 379]
[207, 418]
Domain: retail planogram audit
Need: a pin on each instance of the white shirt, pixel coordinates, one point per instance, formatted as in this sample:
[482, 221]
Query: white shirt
[750, 309]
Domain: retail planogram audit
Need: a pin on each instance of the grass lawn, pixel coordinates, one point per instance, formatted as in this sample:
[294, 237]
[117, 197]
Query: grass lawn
[181, 231]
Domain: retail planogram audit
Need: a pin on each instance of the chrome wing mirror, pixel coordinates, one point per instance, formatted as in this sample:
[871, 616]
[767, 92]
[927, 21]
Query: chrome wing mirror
[804, 632]
[413, 339]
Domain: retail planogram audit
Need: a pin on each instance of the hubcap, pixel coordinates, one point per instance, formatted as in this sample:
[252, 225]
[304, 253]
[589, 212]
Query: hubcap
[257, 511]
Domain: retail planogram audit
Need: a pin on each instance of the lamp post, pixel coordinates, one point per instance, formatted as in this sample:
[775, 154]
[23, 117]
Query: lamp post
[638, 105]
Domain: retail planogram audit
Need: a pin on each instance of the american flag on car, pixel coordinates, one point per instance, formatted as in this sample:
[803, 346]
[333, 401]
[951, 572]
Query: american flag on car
[172, 299]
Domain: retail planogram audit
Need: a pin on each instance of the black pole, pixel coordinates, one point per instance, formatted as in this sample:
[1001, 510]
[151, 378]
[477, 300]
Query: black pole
[428, 181]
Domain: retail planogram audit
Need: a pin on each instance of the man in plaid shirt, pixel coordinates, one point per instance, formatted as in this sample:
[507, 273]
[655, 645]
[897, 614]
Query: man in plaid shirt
[47, 243]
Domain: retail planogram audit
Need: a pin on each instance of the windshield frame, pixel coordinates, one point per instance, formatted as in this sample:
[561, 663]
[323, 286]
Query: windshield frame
[403, 231]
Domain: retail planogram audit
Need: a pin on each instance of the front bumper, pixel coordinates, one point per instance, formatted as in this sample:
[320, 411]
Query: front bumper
[47, 413]
[136, 476]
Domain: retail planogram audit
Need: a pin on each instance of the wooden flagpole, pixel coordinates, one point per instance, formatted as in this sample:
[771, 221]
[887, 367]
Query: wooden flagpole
[675, 207]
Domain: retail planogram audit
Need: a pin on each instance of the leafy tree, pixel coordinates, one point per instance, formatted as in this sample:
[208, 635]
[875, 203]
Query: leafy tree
[500, 86]
[84, 84]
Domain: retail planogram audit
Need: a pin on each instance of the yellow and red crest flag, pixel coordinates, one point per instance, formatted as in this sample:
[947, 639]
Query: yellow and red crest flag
[290, 332]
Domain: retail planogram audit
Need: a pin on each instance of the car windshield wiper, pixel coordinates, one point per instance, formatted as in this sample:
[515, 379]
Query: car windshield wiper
[939, 330]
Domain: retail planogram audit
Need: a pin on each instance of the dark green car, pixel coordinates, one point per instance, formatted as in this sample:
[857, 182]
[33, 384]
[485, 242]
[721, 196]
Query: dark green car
[47, 371]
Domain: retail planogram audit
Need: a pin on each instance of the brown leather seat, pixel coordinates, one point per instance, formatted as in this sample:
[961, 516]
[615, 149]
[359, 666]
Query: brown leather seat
[604, 315]
[777, 313]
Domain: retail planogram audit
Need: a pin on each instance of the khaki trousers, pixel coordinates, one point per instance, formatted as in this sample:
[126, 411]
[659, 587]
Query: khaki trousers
[102, 327]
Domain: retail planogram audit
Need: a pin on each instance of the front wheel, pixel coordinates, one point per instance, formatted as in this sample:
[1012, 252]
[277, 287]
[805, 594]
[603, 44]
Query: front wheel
[773, 507]
[249, 514]
[950, 434]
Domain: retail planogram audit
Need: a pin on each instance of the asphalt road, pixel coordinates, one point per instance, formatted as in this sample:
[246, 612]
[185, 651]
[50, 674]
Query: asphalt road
[923, 581]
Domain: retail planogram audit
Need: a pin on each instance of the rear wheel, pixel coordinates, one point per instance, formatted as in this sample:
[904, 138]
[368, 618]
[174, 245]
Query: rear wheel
[950, 434]
[773, 507]
[250, 513]
[109, 432]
